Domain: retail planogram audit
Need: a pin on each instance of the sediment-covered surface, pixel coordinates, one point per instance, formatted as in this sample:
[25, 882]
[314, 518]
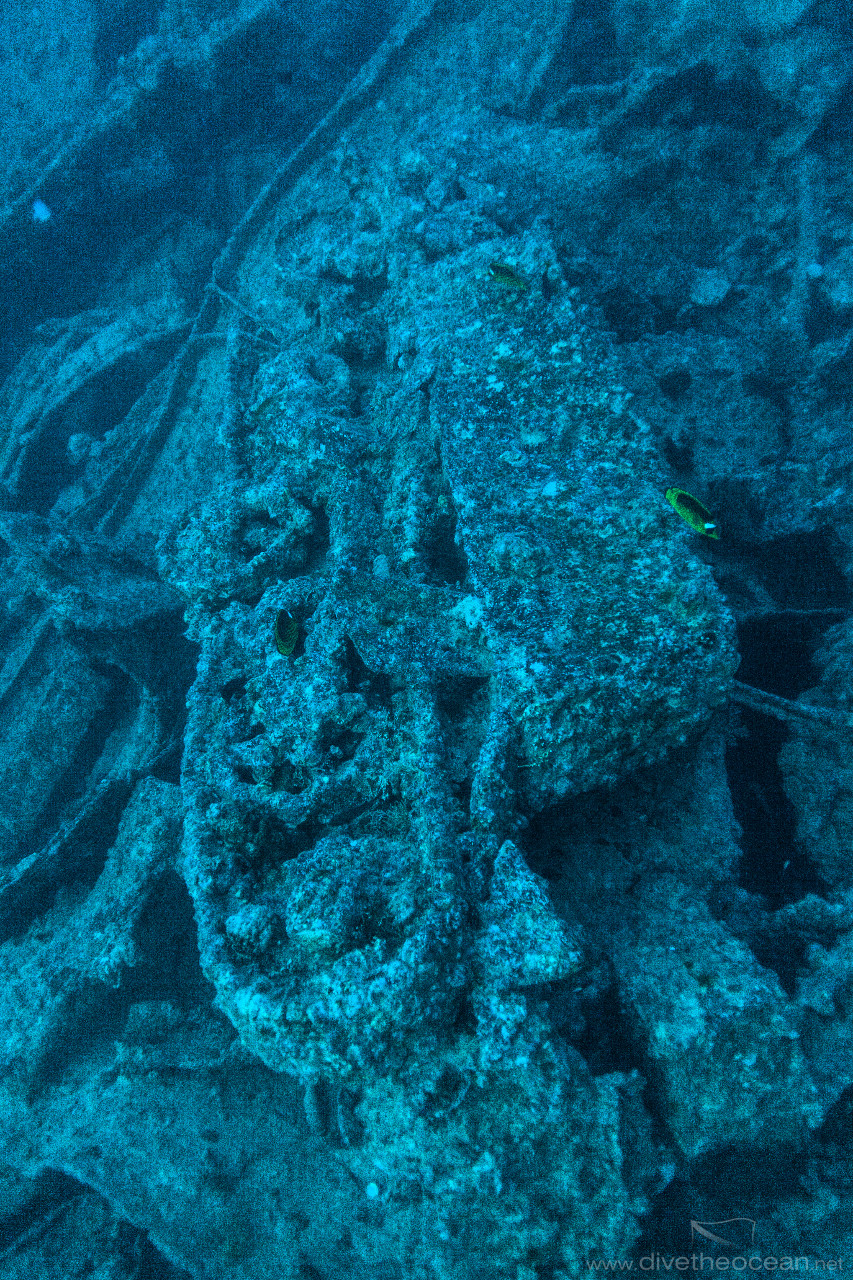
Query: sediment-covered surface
[401, 877]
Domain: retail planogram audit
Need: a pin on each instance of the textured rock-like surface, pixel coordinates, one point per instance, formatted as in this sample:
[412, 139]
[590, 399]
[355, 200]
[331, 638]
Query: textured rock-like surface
[441, 943]
[492, 603]
[720, 1038]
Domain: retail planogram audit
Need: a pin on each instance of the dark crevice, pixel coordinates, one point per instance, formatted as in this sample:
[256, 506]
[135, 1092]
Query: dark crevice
[627, 315]
[802, 571]
[777, 656]
[163, 658]
[234, 690]
[675, 382]
[375, 686]
[772, 865]
[457, 696]
[287, 776]
[678, 456]
[776, 653]
[781, 951]
[445, 560]
[316, 544]
[591, 1020]
[269, 843]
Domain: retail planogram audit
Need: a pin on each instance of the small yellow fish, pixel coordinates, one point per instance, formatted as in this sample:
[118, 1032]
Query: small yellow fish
[285, 632]
[691, 509]
[506, 276]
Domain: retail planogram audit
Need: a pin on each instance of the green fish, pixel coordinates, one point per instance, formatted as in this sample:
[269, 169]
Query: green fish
[691, 509]
[285, 633]
[504, 275]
